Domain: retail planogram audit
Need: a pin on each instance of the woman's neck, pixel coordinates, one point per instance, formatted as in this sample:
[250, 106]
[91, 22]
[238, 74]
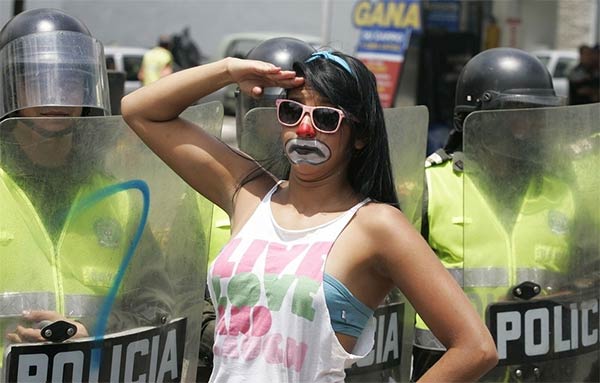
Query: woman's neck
[332, 194]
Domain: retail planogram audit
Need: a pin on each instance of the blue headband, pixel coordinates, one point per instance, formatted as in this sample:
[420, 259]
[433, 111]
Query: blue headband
[327, 55]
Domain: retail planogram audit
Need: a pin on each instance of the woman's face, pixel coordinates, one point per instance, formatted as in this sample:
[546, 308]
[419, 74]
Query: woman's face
[310, 150]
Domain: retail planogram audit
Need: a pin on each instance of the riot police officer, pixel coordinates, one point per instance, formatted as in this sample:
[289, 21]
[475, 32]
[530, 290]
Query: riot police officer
[494, 214]
[61, 253]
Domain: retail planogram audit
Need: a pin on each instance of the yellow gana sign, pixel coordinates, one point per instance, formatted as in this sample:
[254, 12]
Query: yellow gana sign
[387, 14]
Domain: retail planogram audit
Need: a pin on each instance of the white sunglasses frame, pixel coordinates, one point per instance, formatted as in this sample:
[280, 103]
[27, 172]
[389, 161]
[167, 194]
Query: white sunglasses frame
[310, 109]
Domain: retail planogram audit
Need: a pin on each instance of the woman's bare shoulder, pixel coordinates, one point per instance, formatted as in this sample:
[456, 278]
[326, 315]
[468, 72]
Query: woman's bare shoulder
[388, 231]
[380, 217]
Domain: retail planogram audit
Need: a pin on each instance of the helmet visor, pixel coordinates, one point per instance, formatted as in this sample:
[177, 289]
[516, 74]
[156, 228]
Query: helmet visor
[53, 69]
[522, 98]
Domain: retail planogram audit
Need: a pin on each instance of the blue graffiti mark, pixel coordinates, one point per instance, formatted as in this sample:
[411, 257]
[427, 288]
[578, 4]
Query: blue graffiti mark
[86, 203]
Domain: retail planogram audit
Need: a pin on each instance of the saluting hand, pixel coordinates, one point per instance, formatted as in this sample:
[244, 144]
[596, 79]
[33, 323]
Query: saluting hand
[253, 76]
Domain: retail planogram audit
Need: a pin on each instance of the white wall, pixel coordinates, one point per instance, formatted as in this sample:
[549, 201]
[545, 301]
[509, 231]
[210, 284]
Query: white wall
[539, 31]
[544, 23]
[140, 22]
[577, 24]
[553, 24]
[6, 11]
[527, 24]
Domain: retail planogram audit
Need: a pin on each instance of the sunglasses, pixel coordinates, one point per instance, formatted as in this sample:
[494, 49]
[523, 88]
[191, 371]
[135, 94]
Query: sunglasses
[325, 119]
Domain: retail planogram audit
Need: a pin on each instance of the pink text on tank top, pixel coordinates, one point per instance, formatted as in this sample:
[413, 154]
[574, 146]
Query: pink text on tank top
[248, 334]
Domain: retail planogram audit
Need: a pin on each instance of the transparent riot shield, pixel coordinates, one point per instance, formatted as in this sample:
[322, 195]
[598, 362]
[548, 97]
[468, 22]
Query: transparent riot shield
[210, 117]
[390, 359]
[95, 230]
[262, 142]
[531, 228]
[407, 136]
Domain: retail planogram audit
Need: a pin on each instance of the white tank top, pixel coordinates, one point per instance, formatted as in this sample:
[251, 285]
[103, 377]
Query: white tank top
[272, 321]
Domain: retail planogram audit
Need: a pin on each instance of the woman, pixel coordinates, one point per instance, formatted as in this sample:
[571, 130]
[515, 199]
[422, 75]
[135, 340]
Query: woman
[311, 257]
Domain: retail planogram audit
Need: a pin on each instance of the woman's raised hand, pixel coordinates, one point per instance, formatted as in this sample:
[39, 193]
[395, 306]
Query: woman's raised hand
[253, 76]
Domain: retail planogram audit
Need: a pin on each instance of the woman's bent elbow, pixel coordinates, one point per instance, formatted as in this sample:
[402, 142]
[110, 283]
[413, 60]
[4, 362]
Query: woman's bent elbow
[488, 356]
[126, 108]
[131, 113]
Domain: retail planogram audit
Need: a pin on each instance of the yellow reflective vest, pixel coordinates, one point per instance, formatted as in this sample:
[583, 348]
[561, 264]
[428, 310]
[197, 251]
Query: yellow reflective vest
[220, 233]
[486, 259]
[584, 156]
[72, 274]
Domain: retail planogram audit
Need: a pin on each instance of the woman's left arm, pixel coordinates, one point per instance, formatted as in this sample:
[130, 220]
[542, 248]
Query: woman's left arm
[409, 262]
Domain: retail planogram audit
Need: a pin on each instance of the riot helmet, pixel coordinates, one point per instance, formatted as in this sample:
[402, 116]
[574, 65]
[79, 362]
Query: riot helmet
[281, 51]
[500, 78]
[504, 78]
[49, 58]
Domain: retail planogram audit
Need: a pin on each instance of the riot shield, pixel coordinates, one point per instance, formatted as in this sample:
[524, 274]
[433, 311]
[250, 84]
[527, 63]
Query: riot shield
[95, 227]
[210, 117]
[407, 137]
[262, 142]
[390, 359]
[531, 228]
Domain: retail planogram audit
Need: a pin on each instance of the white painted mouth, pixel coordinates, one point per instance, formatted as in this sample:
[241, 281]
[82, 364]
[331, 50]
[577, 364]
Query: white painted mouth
[313, 152]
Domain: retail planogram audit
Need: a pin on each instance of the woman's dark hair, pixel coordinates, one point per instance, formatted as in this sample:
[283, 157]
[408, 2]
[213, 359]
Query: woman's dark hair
[369, 170]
